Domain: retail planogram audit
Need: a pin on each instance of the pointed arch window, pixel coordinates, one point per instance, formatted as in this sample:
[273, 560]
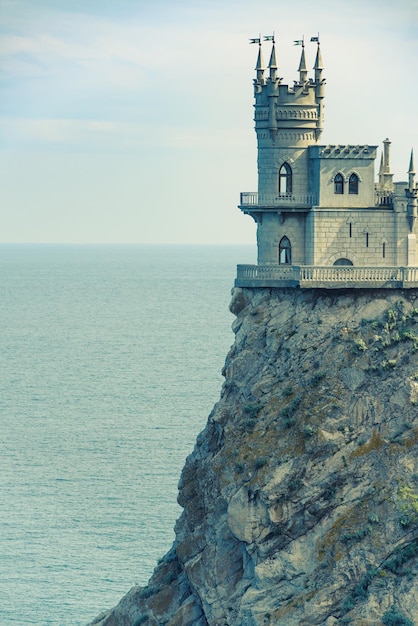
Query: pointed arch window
[353, 184]
[285, 179]
[339, 184]
[285, 251]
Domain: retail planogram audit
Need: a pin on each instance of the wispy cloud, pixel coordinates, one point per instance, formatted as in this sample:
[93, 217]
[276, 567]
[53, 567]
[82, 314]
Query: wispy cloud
[88, 84]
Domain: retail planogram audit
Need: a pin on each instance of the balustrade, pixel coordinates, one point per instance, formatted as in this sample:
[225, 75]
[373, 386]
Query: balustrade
[311, 275]
[252, 198]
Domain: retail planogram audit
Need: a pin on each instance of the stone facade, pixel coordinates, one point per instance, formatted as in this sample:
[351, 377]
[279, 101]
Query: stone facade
[319, 205]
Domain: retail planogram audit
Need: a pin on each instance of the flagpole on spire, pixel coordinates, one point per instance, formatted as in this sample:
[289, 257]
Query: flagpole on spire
[260, 67]
[319, 66]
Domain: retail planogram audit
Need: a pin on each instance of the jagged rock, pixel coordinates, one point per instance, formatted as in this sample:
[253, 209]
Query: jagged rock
[299, 499]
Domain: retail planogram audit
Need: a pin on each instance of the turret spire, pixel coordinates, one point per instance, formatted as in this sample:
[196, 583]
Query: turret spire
[273, 63]
[319, 66]
[260, 67]
[411, 171]
[381, 171]
[303, 70]
[412, 195]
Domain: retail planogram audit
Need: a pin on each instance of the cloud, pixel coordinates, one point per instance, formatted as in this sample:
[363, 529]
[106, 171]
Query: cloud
[136, 93]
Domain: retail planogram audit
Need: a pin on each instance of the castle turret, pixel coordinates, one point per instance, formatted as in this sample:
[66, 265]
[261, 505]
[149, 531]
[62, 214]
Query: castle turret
[288, 120]
[320, 89]
[387, 176]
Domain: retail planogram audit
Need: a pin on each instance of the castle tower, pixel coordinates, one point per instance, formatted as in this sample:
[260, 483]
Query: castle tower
[288, 120]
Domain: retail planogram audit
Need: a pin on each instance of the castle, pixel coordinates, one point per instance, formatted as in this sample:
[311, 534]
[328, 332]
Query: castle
[322, 220]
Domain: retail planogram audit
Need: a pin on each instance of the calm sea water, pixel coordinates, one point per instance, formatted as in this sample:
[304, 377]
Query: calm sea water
[110, 364]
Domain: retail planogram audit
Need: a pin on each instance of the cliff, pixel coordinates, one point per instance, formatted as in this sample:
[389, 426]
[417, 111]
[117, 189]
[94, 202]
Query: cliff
[300, 497]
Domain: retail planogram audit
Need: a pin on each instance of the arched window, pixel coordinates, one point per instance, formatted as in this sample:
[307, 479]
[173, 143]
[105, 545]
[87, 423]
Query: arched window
[285, 251]
[285, 179]
[339, 184]
[353, 184]
[343, 262]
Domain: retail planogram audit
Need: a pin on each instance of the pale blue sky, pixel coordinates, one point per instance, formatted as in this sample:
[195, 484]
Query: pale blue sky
[131, 120]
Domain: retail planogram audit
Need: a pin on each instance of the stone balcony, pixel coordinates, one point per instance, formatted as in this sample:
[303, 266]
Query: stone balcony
[250, 200]
[333, 277]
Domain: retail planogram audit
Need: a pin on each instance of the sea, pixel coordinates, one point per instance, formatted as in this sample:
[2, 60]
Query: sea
[111, 359]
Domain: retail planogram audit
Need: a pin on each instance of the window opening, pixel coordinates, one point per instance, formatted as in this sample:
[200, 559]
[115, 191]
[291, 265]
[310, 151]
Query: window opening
[339, 184]
[351, 229]
[384, 250]
[367, 240]
[285, 179]
[353, 184]
[285, 251]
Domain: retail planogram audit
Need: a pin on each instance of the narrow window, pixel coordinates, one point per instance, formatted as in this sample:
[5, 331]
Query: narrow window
[351, 229]
[285, 179]
[339, 184]
[367, 240]
[285, 251]
[384, 250]
[353, 184]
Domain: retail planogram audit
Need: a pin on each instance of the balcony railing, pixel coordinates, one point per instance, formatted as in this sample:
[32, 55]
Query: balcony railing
[383, 198]
[332, 277]
[252, 198]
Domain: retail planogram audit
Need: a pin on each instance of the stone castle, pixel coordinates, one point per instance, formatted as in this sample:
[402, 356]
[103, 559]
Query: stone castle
[322, 220]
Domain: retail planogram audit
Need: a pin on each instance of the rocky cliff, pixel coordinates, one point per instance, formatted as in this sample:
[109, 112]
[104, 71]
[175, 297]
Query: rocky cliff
[301, 496]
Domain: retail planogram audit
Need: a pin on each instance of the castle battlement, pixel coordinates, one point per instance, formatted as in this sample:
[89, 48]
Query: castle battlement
[319, 206]
[344, 152]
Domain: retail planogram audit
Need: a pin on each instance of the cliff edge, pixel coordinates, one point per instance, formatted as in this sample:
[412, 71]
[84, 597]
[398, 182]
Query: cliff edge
[300, 499]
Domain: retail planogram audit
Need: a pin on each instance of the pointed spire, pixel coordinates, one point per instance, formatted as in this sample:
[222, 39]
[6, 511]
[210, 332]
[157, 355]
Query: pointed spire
[273, 63]
[303, 70]
[260, 67]
[411, 171]
[411, 163]
[319, 66]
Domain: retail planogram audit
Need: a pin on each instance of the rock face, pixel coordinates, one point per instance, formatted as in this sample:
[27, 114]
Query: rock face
[300, 497]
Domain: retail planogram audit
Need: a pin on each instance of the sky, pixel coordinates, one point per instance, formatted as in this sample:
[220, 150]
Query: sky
[130, 121]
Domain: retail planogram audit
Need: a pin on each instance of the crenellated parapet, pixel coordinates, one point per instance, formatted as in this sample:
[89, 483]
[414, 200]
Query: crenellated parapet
[347, 152]
[280, 108]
